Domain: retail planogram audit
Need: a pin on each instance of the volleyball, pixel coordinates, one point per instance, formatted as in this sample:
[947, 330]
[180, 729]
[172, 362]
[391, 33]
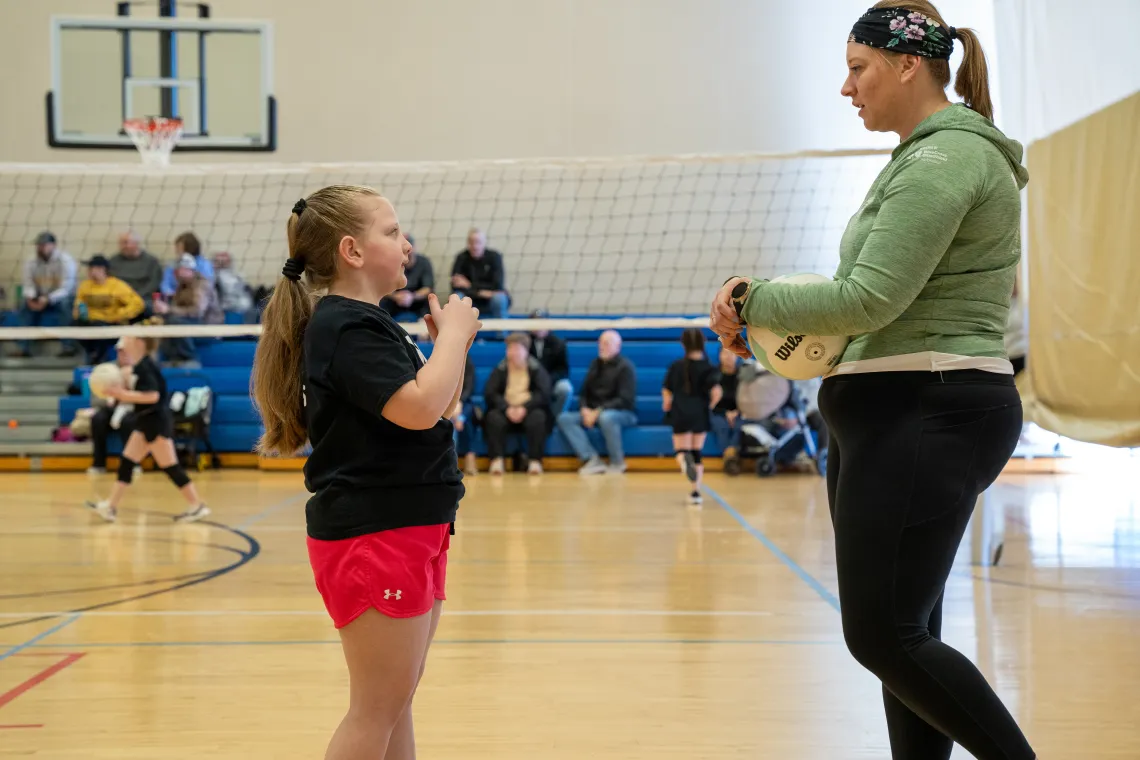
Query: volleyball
[104, 376]
[796, 357]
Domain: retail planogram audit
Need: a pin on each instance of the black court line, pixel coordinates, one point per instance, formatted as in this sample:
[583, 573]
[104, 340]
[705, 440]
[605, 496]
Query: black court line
[253, 548]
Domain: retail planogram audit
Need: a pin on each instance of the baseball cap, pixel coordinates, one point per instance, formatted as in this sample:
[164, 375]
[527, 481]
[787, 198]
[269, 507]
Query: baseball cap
[45, 237]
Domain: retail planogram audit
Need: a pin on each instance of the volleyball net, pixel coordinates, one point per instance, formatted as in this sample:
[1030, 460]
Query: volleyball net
[645, 241]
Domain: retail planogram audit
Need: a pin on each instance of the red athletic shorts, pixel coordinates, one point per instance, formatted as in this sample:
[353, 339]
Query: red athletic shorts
[399, 572]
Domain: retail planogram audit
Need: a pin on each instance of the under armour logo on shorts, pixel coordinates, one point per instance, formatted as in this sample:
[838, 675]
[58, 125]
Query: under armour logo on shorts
[388, 593]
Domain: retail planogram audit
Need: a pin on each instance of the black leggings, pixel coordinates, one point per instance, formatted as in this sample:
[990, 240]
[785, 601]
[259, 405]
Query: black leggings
[909, 454]
[496, 426]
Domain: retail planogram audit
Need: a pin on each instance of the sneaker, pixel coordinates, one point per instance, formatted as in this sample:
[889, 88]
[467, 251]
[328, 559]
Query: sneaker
[616, 469]
[96, 470]
[696, 498]
[690, 466]
[594, 466]
[104, 509]
[193, 514]
[470, 464]
[534, 468]
[497, 467]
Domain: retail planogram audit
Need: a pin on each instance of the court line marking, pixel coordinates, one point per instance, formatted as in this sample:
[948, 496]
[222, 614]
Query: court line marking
[39, 678]
[448, 642]
[39, 637]
[791, 564]
[254, 548]
[448, 612]
[271, 509]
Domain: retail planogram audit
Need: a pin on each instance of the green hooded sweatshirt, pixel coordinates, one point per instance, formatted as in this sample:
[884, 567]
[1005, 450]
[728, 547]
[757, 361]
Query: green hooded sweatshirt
[927, 263]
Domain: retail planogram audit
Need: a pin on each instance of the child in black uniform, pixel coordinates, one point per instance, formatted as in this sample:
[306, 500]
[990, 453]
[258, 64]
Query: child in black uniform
[344, 376]
[153, 432]
[688, 394]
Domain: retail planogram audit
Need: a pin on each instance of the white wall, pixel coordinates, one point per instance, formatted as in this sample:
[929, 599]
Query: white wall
[368, 80]
[1065, 60]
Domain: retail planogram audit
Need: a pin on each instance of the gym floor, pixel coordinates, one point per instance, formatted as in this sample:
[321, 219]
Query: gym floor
[596, 618]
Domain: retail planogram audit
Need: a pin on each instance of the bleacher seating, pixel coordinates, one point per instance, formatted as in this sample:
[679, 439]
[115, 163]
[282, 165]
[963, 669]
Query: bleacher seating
[236, 424]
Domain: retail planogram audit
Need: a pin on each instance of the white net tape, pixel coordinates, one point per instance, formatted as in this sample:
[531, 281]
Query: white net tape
[418, 329]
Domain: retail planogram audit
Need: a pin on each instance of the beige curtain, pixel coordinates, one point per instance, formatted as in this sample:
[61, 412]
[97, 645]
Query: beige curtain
[1083, 246]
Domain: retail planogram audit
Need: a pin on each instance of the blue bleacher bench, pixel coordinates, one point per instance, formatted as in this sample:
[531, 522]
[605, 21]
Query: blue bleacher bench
[226, 366]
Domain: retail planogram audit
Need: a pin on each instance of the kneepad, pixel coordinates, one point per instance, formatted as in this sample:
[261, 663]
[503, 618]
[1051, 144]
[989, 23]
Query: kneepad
[126, 470]
[696, 455]
[177, 475]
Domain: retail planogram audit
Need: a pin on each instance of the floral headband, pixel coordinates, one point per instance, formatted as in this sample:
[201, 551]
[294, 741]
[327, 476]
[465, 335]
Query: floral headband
[904, 31]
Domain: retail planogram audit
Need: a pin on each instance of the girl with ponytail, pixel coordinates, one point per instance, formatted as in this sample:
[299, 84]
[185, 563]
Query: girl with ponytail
[333, 369]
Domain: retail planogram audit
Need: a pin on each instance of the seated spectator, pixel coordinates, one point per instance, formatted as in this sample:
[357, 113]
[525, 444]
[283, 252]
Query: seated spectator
[517, 397]
[410, 303]
[194, 302]
[186, 243]
[103, 300]
[234, 295]
[606, 400]
[48, 288]
[463, 418]
[139, 269]
[478, 273]
[725, 415]
[550, 350]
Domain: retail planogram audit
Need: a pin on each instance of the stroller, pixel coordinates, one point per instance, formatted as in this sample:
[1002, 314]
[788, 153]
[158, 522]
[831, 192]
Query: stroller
[777, 422]
[192, 403]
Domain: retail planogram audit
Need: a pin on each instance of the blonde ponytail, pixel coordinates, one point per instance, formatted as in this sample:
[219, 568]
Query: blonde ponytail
[314, 231]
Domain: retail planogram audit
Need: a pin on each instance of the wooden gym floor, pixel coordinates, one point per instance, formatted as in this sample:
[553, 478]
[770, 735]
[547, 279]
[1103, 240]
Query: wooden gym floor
[597, 618]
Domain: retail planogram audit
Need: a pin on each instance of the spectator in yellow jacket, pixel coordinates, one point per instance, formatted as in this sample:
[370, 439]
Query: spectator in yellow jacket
[103, 300]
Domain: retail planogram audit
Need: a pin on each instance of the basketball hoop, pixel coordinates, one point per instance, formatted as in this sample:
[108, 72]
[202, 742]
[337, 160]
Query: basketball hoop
[155, 138]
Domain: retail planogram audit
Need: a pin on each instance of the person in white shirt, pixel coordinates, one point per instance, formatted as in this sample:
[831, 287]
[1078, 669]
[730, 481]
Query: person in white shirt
[48, 290]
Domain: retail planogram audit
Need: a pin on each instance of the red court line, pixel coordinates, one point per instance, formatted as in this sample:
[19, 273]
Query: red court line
[38, 678]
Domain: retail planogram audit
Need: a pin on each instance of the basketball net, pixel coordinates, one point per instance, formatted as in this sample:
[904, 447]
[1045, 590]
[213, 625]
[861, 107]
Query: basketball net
[155, 138]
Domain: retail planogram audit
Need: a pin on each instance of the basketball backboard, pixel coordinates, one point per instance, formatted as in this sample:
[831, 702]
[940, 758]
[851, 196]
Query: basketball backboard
[216, 75]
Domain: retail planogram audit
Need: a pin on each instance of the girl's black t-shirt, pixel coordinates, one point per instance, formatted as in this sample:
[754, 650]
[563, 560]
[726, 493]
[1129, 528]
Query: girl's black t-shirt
[368, 474]
[148, 377]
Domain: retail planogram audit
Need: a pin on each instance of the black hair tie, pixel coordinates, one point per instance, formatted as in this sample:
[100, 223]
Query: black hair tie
[293, 269]
[953, 32]
[299, 206]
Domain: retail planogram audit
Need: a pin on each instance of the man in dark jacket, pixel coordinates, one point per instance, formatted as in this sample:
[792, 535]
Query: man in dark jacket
[607, 400]
[411, 302]
[138, 268]
[517, 397]
[478, 273]
[550, 350]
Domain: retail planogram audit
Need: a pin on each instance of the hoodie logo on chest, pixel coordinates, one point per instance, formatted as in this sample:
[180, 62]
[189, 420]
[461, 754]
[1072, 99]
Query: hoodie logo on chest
[930, 154]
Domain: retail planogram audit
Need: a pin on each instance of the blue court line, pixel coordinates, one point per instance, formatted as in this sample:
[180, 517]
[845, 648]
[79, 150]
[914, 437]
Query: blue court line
[34, 641]
[436, 642]
[791, 564]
